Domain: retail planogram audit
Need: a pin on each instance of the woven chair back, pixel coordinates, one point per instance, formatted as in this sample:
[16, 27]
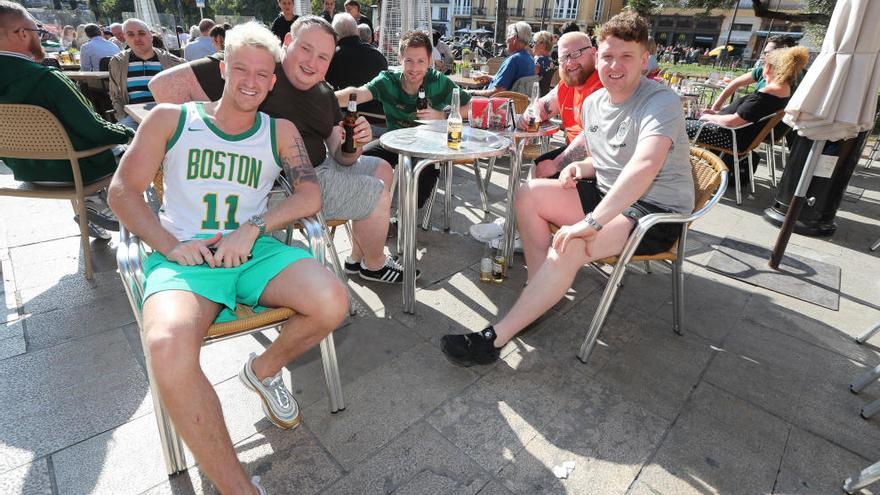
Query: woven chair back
[706, 168]
[29, 131]
[520, 101]
[494, 64]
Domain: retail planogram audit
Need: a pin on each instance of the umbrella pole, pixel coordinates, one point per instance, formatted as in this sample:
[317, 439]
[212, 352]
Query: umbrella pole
[797, 204]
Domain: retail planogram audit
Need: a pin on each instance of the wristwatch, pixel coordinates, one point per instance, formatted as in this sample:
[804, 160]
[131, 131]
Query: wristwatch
[259, 222]
[589, 220]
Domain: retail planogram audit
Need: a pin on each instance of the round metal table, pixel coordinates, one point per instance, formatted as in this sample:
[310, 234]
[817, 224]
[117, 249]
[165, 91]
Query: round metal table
[519, 137]
[428, 144]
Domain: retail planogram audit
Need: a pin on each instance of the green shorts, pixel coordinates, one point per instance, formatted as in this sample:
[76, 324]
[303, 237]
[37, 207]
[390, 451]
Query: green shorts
[226, 286]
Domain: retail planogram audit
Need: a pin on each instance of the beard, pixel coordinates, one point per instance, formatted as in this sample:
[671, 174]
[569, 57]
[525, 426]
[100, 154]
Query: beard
[573, 80]
[36, 50]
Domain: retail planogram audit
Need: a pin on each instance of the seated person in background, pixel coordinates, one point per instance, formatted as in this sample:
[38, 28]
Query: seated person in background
[353, 186]
[24, 80]
[398, 92]
[355, 63]
[578, 79]
[202, 46]
[353, 8]
[756, 75]
[781, 68]
[218, 37]
[543, 43]
[518, 64]
[638, 164]
[365, 34]
[281, 24]
[207, 258]
[132, 69]
[441, 55]
[95, 49]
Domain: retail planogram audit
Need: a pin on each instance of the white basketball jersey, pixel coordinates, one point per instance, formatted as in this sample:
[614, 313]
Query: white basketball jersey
[216, 181]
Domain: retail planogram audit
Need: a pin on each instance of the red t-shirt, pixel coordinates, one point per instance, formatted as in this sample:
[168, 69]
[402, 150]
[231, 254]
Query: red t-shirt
[571, 101]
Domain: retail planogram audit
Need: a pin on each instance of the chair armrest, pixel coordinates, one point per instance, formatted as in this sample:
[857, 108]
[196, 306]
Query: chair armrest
[94, 151]
[130, 255]
[312, 225]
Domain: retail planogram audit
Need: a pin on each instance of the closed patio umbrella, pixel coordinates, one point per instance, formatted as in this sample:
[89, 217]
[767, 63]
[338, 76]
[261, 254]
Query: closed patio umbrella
[838, 96]
[717, 50]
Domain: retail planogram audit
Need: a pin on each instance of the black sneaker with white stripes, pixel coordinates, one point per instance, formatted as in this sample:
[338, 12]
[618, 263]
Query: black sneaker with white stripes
[352, 267]
[390, 273]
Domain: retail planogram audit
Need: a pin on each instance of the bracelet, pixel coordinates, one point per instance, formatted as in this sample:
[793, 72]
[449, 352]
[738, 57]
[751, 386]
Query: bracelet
[589, 220]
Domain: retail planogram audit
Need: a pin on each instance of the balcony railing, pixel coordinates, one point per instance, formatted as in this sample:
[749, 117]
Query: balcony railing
[539, 12]
[461, 11]
[515, 12]
[479, 11]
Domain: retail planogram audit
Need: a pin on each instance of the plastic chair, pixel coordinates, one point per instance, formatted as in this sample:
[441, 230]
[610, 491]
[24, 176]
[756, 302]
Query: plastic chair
[130, 256]
[769, 121]
[710, 181]
[32, 132]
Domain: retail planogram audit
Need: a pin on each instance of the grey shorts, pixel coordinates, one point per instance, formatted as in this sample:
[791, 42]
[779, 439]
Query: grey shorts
[349, 192]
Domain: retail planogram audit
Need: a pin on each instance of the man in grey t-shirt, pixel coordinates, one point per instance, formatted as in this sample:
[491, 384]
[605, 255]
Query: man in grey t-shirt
[635, 163]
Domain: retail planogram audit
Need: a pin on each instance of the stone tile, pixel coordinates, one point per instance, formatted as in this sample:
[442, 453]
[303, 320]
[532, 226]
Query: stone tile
[787, 376]
[719, 444]
[814, 465]
[362, 346]
[47, 329]
[384, 402]
[50, 262]
[830, 330]
[656, 369]
[494, 488]
[608, 438]
[9, 310]
[458, 304]
[30, 479]
[12, 341]
[418, 461]
[127, 459]
[53, 398]
[72, 290]
[38, 220]
[496, 417]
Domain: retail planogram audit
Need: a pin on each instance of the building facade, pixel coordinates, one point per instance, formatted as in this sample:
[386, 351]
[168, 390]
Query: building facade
[549, 15]
[748, 34]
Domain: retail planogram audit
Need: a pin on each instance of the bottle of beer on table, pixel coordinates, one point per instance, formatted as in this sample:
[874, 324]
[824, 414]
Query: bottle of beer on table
[453, 123]
[348, 123]
[533, 122]
[422, 101]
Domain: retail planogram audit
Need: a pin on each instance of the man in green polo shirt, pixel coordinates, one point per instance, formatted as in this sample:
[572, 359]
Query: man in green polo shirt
[399, 91]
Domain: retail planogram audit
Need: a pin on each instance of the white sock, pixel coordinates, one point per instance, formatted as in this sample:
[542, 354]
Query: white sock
[349, 259]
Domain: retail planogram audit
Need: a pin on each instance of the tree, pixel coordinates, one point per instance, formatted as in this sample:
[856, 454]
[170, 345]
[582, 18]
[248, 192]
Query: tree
[818, 12]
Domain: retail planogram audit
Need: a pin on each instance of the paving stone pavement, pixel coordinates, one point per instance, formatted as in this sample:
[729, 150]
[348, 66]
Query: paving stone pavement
[752, 398]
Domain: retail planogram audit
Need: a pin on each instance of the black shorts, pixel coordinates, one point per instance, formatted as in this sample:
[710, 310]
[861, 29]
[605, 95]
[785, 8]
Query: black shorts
[659, 238]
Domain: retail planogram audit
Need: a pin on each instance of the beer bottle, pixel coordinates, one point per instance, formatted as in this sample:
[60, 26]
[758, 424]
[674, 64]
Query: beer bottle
[499, 264]
[348, 123]
[422, 101]
[533, 121]
[453, 123]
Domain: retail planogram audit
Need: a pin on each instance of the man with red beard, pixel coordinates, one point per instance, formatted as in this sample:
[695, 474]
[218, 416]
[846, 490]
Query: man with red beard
[24, 80]
[579, 79]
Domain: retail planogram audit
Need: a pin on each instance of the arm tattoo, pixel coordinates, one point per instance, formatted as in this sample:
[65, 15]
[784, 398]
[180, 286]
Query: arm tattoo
[297, 165]
[546, 109]
[574, 153]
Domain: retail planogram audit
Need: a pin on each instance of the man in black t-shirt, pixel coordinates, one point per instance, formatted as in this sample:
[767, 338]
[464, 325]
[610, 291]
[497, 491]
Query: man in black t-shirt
[353, 186]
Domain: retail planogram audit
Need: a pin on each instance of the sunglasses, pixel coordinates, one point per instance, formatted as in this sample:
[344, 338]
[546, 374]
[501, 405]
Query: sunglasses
[39, 30]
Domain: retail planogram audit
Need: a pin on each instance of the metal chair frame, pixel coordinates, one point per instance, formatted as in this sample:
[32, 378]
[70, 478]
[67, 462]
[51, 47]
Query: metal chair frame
[770, 121]
[130, 256]
[674, 259]
[33, 132]
[870, 474]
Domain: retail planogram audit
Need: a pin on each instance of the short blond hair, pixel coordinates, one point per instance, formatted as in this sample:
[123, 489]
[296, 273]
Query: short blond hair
[544, 38]
[253, 34]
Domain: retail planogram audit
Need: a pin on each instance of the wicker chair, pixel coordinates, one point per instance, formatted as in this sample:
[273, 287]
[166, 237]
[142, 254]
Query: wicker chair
[32, 132]
[769, 121]
[494, 64]
[710, 181]
[130, 256]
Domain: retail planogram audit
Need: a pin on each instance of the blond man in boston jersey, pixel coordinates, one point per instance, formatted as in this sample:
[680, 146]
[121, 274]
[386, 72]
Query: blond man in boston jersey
[219, 162]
